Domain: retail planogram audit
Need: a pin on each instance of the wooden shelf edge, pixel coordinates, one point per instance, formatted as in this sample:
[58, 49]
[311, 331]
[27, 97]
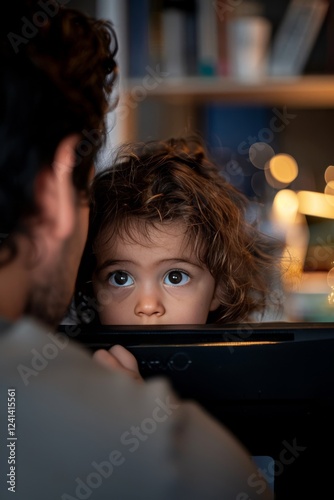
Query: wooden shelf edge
[306, 90]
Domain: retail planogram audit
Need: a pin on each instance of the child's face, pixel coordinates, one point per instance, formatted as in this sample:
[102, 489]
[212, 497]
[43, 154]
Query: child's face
[157, 281]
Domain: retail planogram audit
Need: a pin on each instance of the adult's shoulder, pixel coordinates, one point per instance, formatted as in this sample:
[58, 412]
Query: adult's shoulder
[83, 429]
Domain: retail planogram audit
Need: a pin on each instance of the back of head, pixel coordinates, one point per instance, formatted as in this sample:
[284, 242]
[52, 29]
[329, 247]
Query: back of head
[176, 181]
[57, 70]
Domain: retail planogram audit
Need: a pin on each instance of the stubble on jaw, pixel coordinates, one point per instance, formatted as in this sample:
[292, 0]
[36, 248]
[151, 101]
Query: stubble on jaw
[49, 301]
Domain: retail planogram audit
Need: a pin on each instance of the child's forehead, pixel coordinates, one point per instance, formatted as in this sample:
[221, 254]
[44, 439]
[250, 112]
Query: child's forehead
[148, 234]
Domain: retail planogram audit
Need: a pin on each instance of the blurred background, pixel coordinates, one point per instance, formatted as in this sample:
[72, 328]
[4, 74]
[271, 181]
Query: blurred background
[255, 79]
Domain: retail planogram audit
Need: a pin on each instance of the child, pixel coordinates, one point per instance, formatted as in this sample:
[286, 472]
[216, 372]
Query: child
[169, 243]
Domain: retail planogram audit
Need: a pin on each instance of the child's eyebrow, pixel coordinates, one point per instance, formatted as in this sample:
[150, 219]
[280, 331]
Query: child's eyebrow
[111, 262]
[181, 260]
[174, 260]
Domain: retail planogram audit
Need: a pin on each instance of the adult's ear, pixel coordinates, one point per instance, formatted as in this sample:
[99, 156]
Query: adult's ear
[55, 192]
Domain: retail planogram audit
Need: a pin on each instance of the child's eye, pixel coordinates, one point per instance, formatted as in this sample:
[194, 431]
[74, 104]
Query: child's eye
[176, 278]
[120, 278]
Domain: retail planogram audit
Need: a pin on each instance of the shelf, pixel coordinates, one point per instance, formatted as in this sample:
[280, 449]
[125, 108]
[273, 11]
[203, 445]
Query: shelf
[301, 91]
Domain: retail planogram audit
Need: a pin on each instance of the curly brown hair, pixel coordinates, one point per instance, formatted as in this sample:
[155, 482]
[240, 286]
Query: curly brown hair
[175, 180]
[56, 80]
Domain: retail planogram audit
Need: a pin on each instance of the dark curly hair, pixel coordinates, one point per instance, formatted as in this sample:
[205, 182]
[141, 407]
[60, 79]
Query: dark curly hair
[174, 180]
[58, 70]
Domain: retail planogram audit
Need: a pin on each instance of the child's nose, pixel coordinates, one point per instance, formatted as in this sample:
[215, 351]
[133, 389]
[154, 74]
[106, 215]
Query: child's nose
[149, 303]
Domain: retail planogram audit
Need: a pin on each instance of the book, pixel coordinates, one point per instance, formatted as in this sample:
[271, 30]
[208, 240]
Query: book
[173, 27]
[207, 33]
[223, 13]
[296, 36]
[138, 30]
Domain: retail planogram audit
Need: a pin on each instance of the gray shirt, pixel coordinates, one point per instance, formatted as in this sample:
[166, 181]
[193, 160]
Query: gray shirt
[79, 431]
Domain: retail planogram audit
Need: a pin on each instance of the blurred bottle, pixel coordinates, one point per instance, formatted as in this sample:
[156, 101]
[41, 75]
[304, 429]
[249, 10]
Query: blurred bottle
[248, 40]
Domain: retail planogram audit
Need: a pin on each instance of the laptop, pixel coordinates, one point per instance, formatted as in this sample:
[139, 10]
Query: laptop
[272, 384]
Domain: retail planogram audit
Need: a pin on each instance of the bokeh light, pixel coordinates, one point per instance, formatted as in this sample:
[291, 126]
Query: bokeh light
[329, 192]
[316, 204]
[260, 153]
[285, 206]
[329, 174]
[272, 181]
[330, 278]
[283, 168]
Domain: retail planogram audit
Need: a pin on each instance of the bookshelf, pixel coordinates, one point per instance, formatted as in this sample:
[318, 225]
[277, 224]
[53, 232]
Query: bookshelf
[143, 95]
[174, 103]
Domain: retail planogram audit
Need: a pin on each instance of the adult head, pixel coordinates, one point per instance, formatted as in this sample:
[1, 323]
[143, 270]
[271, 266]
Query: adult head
[57, 71]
